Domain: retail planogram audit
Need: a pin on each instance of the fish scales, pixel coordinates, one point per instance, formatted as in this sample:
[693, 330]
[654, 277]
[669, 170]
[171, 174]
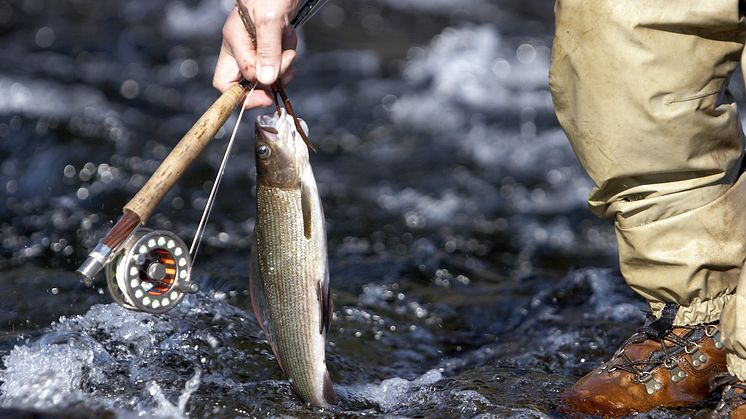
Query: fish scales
[285, 253]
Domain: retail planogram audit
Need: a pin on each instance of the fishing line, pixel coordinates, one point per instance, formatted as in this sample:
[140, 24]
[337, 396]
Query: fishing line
[211, 199]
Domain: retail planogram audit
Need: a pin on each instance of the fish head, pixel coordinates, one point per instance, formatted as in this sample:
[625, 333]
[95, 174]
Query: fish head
[281, 155]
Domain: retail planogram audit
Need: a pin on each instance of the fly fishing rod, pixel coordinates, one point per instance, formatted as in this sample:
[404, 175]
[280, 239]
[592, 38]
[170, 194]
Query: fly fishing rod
[150, 270]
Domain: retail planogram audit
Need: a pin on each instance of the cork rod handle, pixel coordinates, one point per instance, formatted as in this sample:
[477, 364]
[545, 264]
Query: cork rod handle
[190, 146]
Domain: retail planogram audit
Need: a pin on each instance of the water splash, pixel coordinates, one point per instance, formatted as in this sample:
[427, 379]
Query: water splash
[46, 375]
[165, 408]
[119, 360]
[392, 392]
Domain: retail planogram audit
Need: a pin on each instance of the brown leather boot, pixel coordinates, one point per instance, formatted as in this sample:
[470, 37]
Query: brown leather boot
[671, 368]
[732, 398]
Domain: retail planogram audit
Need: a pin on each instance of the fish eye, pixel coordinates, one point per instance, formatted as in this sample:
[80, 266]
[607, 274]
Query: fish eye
[263, 152]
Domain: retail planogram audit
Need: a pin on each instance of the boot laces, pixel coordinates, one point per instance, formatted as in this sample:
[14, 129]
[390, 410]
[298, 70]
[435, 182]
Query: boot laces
[670, 343]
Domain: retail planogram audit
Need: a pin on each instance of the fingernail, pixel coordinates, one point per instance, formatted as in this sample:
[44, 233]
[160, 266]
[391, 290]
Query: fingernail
[266, 74]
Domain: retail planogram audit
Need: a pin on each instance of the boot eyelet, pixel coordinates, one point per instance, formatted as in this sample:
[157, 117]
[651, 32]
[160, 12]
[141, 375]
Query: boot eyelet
[690, 348]
[651, 384]
[711, 330]
[644, 376]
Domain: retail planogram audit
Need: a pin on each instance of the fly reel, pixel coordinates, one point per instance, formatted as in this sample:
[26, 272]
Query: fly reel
[151, 272]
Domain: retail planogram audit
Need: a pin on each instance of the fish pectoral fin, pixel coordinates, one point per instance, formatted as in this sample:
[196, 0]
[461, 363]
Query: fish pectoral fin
[307, 195]
[258, 299]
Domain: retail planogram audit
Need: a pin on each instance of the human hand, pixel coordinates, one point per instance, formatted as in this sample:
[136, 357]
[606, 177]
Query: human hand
[267, 60]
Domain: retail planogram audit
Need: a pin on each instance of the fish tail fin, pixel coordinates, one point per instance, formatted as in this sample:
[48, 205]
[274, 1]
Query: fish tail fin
[329, 395]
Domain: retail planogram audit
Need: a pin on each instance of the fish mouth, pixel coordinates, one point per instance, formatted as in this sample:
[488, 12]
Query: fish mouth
[267, 120]
[283, 121]
[266, 125]
[275, 125]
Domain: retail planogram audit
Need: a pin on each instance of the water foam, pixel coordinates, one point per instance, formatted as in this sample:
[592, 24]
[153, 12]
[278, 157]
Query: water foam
[469, 69]
[392, 392]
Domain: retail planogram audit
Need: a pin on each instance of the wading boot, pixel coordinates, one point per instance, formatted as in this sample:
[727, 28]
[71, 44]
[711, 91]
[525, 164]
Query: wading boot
[659, 366]
[732, 397]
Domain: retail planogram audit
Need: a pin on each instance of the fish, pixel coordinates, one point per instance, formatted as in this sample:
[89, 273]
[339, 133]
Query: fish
[289, 274]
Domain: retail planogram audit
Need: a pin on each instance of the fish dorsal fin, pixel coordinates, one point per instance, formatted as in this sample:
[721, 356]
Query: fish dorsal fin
[259, 300]
[307, 201]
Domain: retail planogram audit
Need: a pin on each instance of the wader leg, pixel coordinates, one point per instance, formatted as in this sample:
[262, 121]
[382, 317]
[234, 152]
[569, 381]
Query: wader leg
[639, 87]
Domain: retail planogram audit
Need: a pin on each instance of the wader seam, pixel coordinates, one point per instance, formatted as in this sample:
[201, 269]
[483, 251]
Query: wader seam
[693, 97]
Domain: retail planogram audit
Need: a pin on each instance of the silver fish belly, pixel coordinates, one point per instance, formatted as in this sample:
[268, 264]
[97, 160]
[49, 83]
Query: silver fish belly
[289, 279]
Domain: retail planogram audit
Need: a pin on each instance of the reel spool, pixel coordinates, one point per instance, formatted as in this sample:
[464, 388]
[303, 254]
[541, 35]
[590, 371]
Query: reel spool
[151, 272]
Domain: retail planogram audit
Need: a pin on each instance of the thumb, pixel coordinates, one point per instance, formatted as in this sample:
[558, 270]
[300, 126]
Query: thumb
[269, 29]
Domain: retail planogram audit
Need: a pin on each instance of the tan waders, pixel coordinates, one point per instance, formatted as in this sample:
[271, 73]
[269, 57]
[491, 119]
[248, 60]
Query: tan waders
[639, 87]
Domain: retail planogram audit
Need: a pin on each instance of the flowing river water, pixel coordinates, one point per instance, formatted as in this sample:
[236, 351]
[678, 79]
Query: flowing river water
[469, 279]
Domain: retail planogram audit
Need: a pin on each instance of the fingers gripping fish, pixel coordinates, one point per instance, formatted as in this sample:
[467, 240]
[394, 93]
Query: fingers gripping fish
[289, 275]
